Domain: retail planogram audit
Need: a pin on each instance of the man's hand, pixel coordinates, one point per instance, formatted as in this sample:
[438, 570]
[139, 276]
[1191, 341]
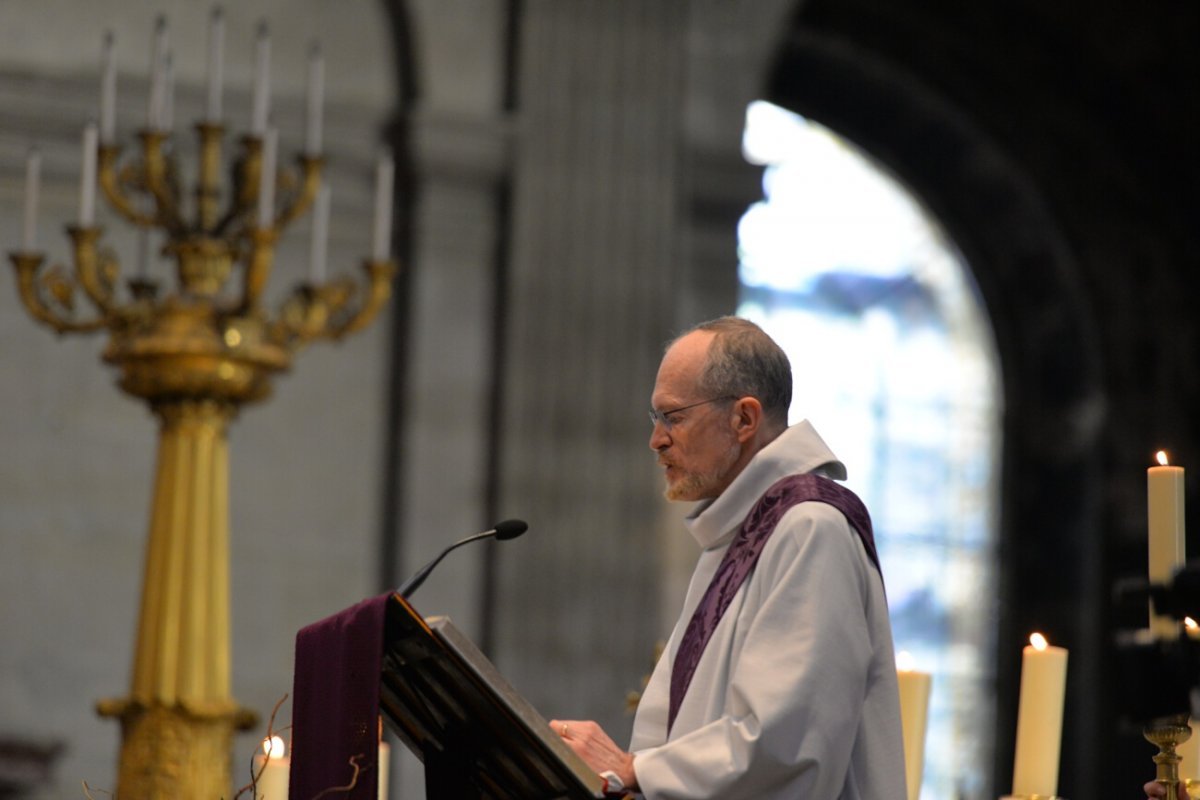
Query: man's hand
[598, 751]
[1154, 789]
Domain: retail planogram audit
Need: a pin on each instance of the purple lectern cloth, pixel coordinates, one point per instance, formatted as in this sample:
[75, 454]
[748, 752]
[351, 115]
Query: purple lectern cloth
[335, 703]
[739, 560]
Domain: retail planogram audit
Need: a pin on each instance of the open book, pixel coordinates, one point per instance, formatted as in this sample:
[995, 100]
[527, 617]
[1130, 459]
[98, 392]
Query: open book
[477, 737]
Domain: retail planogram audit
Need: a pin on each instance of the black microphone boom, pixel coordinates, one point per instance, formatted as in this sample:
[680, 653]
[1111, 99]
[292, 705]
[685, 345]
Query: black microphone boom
[508, 529]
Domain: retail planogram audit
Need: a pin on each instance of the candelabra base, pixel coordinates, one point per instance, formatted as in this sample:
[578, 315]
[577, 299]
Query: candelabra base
[175, 752]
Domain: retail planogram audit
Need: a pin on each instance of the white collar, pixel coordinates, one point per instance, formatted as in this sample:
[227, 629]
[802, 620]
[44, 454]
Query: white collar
[797, 450]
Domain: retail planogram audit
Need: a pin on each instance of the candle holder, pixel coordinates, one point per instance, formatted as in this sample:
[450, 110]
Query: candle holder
[195, 352]
[1165, 734]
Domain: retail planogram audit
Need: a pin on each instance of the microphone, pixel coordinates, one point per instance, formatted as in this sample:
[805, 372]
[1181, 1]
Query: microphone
[508, 529]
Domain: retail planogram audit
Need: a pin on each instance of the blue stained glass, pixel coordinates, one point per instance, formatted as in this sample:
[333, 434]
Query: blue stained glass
[838, 251]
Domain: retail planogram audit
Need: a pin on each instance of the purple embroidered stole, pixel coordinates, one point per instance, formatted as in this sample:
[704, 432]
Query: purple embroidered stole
[742, 555]
[335, 703]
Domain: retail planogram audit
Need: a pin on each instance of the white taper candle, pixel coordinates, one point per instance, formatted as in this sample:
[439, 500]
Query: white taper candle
[385, 171]
[158, 75]
[915, 687]
[216, 65]
[87, 181]
[1189, 754]
[33, 183]
[108, 90]
[316, 98]
[1039, 718]
[266, 183]
[262, 80]
[1165, 522]
[143, 252]
[385, 762]
[273, 769]
[319, 248]
[168, 107]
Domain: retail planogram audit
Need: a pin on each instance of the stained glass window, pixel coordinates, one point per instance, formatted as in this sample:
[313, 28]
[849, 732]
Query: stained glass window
[895, 366]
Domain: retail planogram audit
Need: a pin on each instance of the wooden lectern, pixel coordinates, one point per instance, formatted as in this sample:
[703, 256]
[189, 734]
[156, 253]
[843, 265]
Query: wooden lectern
[478, 738]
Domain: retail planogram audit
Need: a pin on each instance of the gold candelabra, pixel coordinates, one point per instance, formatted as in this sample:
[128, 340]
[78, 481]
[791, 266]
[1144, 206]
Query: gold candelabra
[195, 352]
[1166, 734]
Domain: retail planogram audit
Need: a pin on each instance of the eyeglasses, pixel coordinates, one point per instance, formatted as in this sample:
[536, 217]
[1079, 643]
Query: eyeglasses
[664, 417]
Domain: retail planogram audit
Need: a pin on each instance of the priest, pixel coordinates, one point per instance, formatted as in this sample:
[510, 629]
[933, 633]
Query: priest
[779, 680]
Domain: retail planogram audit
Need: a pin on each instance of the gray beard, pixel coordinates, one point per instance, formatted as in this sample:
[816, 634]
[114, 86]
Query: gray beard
[703, 485]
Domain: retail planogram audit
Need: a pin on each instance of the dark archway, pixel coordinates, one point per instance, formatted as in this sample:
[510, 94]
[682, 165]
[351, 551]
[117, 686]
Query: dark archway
[1028, 270]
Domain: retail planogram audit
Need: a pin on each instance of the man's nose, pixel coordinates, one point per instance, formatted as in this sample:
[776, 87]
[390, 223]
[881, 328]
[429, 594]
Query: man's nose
[659, 438]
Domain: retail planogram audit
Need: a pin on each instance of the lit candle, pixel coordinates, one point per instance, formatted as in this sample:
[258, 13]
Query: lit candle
[216, 64]
[319, 250]
[158, 75]
[262, 81]
[316, 98]
[266, 183]
[272, 769]
[33, 183]
[914, 711]
[1164, 495]
[108, 91]
[87, 181]
[1039, 718]
[385, 171]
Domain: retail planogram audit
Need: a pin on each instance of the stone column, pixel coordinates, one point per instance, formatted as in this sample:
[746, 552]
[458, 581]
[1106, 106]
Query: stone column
[460, 162]
[590, 304]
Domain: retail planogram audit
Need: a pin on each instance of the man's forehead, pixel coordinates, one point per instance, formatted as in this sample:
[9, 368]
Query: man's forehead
[689, 351]
[682, 365]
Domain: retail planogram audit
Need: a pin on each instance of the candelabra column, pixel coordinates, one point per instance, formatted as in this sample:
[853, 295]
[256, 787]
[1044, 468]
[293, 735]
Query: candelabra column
[195, 365]
[178, 722]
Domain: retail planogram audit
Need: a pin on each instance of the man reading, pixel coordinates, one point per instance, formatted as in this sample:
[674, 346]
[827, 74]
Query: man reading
[779, 680]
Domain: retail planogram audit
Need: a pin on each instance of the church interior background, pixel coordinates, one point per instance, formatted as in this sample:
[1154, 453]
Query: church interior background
[575, 182]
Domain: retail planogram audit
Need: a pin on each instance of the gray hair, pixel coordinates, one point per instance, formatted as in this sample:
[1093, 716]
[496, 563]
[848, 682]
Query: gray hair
[744, 361]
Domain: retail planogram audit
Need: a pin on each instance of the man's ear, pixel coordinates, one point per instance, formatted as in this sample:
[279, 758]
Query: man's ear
[747, 418]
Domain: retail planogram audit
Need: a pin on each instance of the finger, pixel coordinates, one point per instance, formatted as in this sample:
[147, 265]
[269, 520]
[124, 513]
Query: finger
[1155, 789]
[563, 727]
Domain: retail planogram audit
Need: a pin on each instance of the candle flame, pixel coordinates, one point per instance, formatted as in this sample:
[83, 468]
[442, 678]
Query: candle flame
[905, 661]
[1038, 641]
[1161, 457]
[274, 747]
[1191, 624]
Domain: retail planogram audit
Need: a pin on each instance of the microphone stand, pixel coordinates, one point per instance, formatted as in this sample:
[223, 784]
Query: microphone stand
[508, 529]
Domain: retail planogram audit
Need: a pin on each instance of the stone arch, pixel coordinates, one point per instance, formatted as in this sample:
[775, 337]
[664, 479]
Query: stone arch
[1034, 289]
